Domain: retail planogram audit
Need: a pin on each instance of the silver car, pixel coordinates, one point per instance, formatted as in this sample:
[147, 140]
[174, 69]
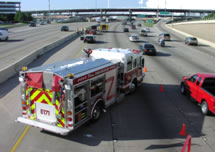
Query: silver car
[191, 41]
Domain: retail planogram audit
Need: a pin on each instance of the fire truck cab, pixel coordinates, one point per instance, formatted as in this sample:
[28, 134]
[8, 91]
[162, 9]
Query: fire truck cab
[131, 65]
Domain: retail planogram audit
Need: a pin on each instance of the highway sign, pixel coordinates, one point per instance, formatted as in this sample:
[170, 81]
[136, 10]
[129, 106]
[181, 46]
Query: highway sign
[164, 13]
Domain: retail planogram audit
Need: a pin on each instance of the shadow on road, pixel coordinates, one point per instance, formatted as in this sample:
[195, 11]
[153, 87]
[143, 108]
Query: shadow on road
[148, 114]
[14, 40]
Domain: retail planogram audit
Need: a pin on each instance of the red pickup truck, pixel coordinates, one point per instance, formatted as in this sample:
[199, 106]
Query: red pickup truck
[201, 88]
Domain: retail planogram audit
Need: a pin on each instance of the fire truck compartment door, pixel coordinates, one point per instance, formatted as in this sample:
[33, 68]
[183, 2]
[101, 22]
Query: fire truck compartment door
[45, 112]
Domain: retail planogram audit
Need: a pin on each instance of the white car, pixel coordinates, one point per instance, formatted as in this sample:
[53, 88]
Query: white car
[3, 35]
[143, 32]
[134, 38]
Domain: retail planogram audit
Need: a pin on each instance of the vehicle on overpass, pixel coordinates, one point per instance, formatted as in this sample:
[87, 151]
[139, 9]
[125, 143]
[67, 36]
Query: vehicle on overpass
[191, 41]
[201, 88]
[61, 97]
[3, 34]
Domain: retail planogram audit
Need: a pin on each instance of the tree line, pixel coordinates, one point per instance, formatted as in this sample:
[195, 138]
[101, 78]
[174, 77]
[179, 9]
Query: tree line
[18, 17]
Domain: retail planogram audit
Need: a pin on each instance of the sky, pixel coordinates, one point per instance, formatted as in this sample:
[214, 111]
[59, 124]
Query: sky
[27, 5]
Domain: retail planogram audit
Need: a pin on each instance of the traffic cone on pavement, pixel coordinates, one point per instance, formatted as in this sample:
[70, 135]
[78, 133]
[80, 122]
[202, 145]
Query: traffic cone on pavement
[161, 88]
[183, 130]
[145, 69]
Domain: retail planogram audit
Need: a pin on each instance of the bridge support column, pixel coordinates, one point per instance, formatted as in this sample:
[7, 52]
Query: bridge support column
[157, 14]
[89, 19]
[130, 15]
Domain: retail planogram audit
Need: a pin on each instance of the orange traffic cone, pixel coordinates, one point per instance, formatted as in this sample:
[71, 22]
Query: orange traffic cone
[145, 69]
[161, 88]
[183, 131]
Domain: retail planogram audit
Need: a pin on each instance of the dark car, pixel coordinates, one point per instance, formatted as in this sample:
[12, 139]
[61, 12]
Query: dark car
[133, 26]
[93, 31]
[32, 24]
[191, 41]
[90, 39]
[64, 28]
[139, 24]
[82, 37]
[148, 49]
[126, 30]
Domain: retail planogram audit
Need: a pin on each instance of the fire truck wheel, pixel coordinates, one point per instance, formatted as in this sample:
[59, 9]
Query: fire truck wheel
[96, 112]
[133, 86]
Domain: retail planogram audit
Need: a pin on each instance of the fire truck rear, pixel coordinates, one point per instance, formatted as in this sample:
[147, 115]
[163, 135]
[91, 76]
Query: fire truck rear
[62, 96]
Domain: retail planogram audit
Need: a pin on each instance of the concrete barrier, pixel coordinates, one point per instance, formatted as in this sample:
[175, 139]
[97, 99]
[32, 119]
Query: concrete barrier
[189, 35]
[15, 67]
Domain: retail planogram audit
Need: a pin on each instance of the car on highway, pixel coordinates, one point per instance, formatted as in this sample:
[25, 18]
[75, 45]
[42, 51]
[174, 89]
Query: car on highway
[43, 23]
[164, 36]
[6, 29]
[125, 30]
[64, 28]
[92, 31]
[146, 29]
[32, 24]
[143, 32]
[3, 35]
[139, 24]
[191, 41]
[200, 87]
[134, 38]
[90, 39]
[148, 49]
[133, 26]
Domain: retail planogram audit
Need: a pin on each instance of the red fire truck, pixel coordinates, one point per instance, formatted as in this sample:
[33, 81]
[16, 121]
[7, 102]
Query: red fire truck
[62, 96]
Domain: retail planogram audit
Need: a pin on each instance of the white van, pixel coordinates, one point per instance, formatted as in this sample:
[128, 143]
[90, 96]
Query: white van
[3, 34]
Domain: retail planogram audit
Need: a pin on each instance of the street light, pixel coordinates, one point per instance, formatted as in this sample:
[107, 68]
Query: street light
[49, 10]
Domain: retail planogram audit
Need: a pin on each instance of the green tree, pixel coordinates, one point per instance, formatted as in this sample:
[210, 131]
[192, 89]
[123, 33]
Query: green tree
[23, 17]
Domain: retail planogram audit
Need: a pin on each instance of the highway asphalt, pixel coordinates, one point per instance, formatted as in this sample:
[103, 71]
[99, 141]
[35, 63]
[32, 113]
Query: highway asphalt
[25, 40]
[148, 120]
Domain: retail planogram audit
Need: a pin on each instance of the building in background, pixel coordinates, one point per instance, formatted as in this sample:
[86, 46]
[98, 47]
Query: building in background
[9, 7]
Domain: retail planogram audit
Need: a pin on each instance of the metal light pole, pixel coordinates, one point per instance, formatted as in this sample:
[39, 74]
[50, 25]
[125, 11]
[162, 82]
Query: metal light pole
[108, 3]
[49, 10]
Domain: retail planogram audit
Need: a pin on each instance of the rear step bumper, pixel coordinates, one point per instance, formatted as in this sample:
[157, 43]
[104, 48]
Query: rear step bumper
[44, 126]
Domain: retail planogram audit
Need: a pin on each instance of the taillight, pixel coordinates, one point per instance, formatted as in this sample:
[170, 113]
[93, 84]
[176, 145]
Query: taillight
[69, 113]
[24, 108]
[69, 119]
[145, 50]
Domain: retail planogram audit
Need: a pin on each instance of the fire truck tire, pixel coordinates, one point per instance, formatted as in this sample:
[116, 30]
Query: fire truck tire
[134, 83]
[96, 112]
[204, 107]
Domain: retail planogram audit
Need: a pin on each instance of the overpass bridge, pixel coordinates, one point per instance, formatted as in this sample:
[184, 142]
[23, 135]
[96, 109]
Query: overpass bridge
[100, 12]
